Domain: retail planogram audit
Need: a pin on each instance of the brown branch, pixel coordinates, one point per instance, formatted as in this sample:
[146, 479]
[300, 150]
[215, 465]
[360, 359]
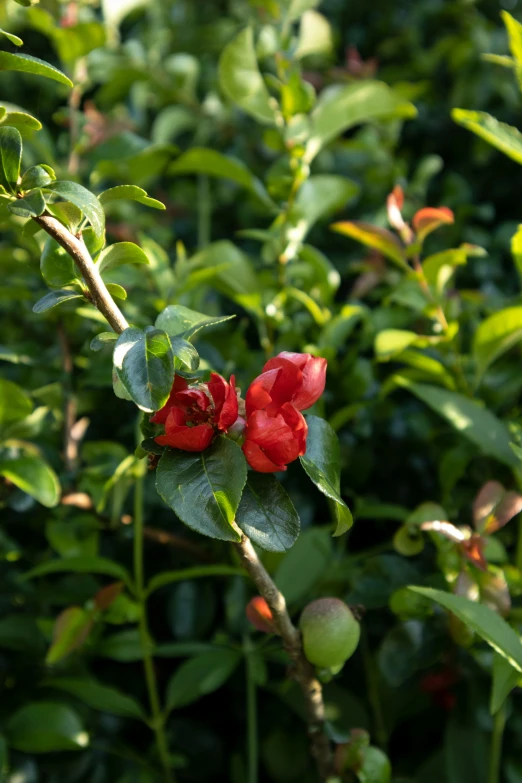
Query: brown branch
[302, 670]
[100, 296]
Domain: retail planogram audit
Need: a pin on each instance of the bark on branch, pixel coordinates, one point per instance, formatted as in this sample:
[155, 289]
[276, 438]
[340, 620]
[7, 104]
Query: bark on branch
[302, 670]
[100, 296]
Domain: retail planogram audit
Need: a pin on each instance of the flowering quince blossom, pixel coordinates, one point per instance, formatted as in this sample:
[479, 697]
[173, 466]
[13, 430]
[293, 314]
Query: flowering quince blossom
[194, 415]
[276, 430]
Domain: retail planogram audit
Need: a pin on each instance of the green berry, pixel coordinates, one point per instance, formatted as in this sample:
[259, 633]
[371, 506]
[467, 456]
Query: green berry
[330, 632]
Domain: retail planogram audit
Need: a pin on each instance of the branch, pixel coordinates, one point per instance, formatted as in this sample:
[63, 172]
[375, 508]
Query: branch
[302, 670]
[100, 296]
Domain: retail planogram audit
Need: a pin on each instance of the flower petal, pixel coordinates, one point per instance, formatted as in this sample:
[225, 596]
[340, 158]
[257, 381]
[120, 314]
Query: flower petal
[257, 459]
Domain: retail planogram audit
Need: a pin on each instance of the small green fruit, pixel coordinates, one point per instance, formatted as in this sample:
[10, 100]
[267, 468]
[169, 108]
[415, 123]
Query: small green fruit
[330, 632]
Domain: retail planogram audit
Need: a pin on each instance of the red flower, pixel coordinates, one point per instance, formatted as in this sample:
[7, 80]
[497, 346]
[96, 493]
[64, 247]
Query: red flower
[271, 442]
[297, 378]
[193, 415]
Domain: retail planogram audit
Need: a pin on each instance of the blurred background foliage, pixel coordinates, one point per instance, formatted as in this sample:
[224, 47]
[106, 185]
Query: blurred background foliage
[146, 94]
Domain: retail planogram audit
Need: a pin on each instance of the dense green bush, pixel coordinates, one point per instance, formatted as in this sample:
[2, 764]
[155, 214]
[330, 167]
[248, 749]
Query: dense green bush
[254, 177]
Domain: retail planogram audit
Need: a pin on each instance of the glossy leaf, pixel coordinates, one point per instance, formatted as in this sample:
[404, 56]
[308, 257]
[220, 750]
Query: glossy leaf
[322, 464]
[483, 620]
[341, 107]
[103, 339]
[201, 675]
[56, 265]
[10, 155]
[34, 477]
[83, 199]
[31, 205]
[241, 80]
[496, 335]
[199, 160]
[204, 489]
[503, 137]
[43, 727]
[391, 342]
[17, 42]
[54, 298]
[145, 364]
[468, 417]
[119, 254]
[28, 64]
[266, 514]
[377, 238]
[180, 320]
[97, 695]
[129, 193]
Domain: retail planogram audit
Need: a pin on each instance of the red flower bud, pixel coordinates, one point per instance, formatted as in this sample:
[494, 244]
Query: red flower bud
[260, 615]
[271, 442]
[194, 415]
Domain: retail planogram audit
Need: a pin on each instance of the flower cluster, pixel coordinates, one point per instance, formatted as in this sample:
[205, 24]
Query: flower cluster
[273, 428]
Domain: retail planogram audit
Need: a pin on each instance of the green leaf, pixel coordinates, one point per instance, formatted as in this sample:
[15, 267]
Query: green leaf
[83, 199]
[54, 298]
[129, 193]
[341, 107]
[305, 563]
[15, 403]
[377, 238]
[34, 477]
[144, 361]
[375, 768]
[180, 320]
[469, 418]
[199, 160]
[503, 137]
[514, 30]
[80, 565]
[124, 646]
[102, 339]
[185, 352]
[483, 620]
[119, 254]
[71, 628]
[43, 727]
[496, 335]
[230, 270]
[10, 155]
[505, 678]
[20, 120]
[266, 514]
[97, 695]
[17, 42]
[21, 632]
[322, 464]
[28, 64]
[199, 572]
[204, 489]
[391, 342]
[321, 195]
[56, 265]
[241, 80]
[31, 205]
[296, 8]
[116, 291]
[201, 675]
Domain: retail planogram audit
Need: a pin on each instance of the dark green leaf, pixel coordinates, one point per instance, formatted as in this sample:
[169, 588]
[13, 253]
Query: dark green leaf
[322, 463]
[266, 514]
[15, 403]
[185, 352]
[505, 678]
[204, 489]
[199, 572]
[124, 646]
[37, 177]
[28, 64]
[83, 199]
[54, 298]
[483, 620]
[241, 80]
[130, 193]
[201, 675]
[33, 476]
[20, 632]
[97, 695]
[475, 422]
[56, 265]
[80, 565]
[45, 726]
[178, 320]
[31, 205]
[119, 254]
[304, 564]
[145, 364]
[10, 155]
[102, 339]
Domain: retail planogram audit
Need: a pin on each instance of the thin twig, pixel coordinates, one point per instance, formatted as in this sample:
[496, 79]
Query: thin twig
[177, 542]
[75, 247]
[302, 670]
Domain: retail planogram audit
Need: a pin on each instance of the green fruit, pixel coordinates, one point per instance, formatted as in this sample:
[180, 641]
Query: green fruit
[330, 632]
